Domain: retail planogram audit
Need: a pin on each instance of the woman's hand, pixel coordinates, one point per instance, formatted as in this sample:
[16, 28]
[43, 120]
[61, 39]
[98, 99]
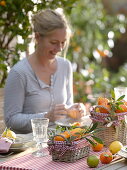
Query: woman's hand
[77, 110]
[59, 111]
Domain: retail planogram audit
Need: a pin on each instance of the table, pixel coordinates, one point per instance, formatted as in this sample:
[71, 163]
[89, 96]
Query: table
[118, 164]
[115, 165]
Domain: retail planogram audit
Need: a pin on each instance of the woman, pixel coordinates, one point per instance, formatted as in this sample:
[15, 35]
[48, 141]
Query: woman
[41, 84]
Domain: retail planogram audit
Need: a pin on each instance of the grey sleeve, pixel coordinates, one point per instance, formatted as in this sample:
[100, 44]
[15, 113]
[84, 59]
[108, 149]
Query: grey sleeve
[13, 104]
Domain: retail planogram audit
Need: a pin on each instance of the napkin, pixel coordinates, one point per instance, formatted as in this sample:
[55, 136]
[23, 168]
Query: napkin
[5, 145]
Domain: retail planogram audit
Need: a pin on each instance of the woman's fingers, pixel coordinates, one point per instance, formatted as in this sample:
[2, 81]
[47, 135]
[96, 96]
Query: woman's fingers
[60, 109]
[77, 110]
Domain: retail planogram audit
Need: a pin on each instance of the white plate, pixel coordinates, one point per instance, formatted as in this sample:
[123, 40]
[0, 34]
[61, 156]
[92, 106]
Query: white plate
[20, 149]
[124, 149]
[122, 153]
[85, 121]
[22, 140]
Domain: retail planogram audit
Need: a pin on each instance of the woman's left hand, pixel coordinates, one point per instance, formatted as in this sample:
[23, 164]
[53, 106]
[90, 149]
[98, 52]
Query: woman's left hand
[77, 110]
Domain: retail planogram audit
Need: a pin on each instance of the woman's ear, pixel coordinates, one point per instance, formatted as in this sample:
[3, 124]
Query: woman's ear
[37, 36]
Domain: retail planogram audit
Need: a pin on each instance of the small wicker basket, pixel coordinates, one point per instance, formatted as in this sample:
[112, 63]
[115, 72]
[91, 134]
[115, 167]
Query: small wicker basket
[65, 151]
[112, 131]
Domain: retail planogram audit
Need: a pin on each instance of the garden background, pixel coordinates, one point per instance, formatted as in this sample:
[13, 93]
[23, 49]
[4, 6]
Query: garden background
[98, 48]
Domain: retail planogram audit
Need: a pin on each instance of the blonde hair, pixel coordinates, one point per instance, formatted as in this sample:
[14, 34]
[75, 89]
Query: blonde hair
[48, 20]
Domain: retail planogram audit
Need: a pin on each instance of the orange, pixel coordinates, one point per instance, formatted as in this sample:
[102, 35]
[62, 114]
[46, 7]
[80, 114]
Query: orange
[73, 113]
[106, 157]
[66, 134]
[104, 102]
[125, 102]
[97, 147]
[76, 132]
[124, 108]
[76, 124]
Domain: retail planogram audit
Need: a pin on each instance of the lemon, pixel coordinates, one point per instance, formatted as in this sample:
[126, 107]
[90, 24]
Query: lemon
[4, 133]
[115, 146]
[9, 134]
[92, 161]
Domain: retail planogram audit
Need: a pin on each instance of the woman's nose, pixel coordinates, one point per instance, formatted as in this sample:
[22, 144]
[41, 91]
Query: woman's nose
[59, 47]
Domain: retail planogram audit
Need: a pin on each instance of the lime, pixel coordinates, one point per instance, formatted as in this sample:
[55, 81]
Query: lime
[115, 146]
[92, 161]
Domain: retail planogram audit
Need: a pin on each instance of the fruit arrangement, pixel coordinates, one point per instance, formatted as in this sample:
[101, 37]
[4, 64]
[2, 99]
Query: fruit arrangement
[110, 115]
[104, 157]
[73, 143]
[112, 105]
[75, 132]
[109, 111]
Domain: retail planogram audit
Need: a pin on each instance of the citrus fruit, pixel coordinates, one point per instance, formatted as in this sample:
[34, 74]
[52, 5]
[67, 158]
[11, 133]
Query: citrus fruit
[106, 157]
[65, 134]
[97, 147]
[123, 108]
[76, 124]
[77, 132]
[104, 102]
[115, 146]
[92, 161]
[73, 113]
[9, 134]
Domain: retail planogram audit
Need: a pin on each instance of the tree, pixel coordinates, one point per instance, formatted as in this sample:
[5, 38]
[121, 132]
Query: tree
[14, 22]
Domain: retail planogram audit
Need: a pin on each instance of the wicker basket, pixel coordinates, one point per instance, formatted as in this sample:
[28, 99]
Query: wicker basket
[64, 151]
[112, 131]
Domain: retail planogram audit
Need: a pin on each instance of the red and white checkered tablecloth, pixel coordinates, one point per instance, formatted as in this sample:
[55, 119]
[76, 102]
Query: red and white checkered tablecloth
[29, 162]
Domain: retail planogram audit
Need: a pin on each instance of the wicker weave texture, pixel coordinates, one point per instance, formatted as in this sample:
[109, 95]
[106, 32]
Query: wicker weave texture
[116, 131]
[71, 156]
[113, 133]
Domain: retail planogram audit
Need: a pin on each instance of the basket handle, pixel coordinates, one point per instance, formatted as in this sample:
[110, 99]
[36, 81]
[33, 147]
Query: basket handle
[68, 142]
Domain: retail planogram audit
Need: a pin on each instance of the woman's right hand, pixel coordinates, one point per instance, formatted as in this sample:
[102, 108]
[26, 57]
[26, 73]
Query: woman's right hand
[59, 111]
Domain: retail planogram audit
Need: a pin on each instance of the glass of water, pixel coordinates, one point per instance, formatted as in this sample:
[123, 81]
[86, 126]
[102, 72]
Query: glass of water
[120, 91]
[39, 128]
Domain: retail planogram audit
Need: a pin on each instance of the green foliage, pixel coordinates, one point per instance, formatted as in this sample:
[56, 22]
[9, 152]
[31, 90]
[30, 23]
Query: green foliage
[91, 25]
[15, 22]
[115, 104]
[85, 133]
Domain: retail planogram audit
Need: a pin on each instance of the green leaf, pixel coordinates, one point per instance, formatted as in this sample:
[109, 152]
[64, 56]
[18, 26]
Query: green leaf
[119, 103]
[98, 130]
[112, 94]
[90, 141]
[72, 138]
[120, 108]
[93, 127]
[121, 97]
[97, 139]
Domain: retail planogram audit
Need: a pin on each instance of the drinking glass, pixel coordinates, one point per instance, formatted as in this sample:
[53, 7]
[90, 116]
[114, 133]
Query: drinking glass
[119, 91]
[39, 128]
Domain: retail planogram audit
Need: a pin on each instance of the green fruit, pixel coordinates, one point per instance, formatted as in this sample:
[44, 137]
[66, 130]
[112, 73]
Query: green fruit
[92, 161]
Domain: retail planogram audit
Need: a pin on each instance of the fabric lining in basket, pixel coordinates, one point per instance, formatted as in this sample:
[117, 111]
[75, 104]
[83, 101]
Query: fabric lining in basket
[63, 151]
